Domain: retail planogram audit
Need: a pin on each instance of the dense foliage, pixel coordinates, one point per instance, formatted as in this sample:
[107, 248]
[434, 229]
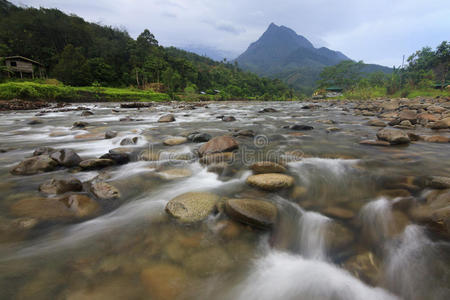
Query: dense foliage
[79, 53]
[425, 69]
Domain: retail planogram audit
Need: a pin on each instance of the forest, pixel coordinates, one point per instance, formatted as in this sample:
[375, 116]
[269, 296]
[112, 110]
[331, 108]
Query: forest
[79, 53]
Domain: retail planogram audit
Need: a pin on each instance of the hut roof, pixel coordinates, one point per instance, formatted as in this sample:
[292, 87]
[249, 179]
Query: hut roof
[24, 58]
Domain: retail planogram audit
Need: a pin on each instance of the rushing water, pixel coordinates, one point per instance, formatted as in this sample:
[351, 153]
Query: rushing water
[338, 235]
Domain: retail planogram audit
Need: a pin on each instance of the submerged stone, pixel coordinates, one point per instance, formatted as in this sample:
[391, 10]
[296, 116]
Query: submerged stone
[256, 213]
[192, 207]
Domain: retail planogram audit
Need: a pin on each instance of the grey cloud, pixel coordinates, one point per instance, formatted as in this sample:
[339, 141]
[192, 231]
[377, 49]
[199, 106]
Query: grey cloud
[375, 31]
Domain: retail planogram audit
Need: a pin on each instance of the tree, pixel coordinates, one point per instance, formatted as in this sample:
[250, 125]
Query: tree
[442, 62]
[345, 74]
[72, 68]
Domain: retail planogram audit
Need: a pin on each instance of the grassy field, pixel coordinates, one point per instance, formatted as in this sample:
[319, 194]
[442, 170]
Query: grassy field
[58, 92]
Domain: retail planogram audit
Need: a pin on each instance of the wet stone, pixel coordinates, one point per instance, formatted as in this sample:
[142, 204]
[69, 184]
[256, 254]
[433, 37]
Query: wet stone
[175, 141]
[35, 165]
[218, 144]
[267, 167]
[60, 186]
[207, 262]
[393, 136]
[164, 281]
[96, 163]
[109, 134]
[66, 157]
[167, 118]
[256, 213]
[192, 207]
[104, 191]
[271, 181]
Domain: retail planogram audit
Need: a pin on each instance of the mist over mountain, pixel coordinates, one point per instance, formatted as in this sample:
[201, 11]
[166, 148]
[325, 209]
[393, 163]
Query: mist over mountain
[211, 52]
[281, 53]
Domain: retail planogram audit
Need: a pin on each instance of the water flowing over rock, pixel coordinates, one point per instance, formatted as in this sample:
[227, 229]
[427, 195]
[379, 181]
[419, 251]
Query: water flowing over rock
[257, 213]
[34, 165]
[164, 281]
[110, 134]
[192, 207]
[271, 181]
[218, 144]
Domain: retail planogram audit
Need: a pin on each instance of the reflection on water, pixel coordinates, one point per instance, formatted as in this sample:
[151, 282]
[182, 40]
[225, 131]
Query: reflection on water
[343, 230]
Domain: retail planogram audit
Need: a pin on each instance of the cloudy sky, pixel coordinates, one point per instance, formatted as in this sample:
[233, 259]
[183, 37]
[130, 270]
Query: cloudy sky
[376, 31]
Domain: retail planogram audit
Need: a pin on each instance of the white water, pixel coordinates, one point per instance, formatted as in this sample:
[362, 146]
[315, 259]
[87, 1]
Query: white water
[291, 277]
[416, 267]
[313, 227]
[376, 218]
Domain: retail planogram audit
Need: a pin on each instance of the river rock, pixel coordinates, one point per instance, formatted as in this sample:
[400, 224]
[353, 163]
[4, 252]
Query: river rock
[408, 115]
[439, 182]
[270, 181]
[175, 173]
[198, 137]
[208, 262]
[129, 141]
[34, 165]
[375, 143]
[256, 213]
[228, 119]
[192, 207]
[218, 144]
[393, 136]
[441, 124]
[110, 134]
[364, 266]
[104, 191]
[43, 151]
[175, 141]
[164, 281]
[267, 167]
[68, 206]
[35, 121]
[299, 127]
[376, 123]
[245, 132]
[166, 118]
[61, 186]
[118, 158]
[96, 163]
[86, 113]
[268, 110]
[66, 157]
[149, 155]
[80, 124]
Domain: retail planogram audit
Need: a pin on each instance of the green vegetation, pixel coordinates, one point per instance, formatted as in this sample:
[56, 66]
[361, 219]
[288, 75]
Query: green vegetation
[60, 92]
[425, 69]
[79, 53]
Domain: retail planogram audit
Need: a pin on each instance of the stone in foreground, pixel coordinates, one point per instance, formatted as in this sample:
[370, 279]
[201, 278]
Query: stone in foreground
[393, 136]
[166, 118]
[60, 186]
[103, 190]
[256, 213]
[270, 181]
[192, 207]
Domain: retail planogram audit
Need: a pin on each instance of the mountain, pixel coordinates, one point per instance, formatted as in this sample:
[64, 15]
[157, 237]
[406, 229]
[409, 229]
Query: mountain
[211, 52]
[281, 53]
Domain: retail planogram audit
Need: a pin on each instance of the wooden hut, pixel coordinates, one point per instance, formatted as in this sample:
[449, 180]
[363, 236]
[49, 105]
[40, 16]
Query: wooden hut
[24, 66]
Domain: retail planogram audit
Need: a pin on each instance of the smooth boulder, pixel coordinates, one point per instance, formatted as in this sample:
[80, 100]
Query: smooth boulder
[104, 191]
[256, 213]
[393, 136]
[166, 118]
[192, 207]
[271, 181]
[96, 163]
[218, 144]
[60, 186]
[66, 157]
[35, 165]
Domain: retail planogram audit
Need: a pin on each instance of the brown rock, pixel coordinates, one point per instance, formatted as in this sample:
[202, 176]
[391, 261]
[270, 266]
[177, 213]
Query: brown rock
[218, 144]
[267, 167]
[393, 136]
[338, 212]
[166, 118]
[103, 190]
[192, 207]
[96, 163]
[34, 165]
[257, 213]
[271, 181]
[60, 186]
